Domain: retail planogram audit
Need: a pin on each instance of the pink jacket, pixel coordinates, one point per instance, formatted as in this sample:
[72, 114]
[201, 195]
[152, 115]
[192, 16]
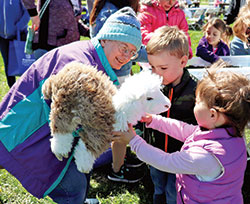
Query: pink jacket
[210, 165]
[153, 16]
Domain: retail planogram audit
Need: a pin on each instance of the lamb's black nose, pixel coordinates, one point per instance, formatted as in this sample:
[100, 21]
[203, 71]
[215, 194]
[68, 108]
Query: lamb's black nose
[166, 106]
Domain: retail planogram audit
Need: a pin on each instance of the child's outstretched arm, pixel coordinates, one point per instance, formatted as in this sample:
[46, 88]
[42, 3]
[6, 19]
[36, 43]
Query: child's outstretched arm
[196, 161]
[177, 129]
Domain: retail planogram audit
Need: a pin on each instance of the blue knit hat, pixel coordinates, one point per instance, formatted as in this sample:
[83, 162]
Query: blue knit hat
[122, 26]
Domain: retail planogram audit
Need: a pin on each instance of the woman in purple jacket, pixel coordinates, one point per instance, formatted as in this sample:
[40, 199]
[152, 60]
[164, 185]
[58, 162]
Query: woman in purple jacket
[24, 123]
[212, 44]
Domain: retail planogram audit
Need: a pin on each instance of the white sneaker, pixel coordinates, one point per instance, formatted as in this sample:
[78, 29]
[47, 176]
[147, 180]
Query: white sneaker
[91, 201]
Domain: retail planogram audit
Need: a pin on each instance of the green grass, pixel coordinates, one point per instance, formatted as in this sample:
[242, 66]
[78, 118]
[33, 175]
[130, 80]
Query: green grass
[11, 191]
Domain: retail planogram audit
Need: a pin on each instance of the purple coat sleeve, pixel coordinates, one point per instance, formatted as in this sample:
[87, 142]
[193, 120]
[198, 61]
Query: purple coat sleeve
[205, 51]
[31, 7]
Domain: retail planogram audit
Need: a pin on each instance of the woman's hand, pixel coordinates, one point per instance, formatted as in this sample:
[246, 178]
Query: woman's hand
[35, 22]
[124, 137]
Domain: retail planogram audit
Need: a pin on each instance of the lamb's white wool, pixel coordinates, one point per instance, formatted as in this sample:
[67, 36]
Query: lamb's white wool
[61, 145]
[84, 159]
[138, 95]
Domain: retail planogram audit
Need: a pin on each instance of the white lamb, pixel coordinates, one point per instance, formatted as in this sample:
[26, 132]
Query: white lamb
[138, 95]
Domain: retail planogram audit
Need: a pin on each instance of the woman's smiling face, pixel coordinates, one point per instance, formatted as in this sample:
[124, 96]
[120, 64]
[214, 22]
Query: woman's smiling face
[118, 53]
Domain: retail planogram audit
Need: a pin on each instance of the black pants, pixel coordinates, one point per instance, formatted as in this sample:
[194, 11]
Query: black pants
[4, 49]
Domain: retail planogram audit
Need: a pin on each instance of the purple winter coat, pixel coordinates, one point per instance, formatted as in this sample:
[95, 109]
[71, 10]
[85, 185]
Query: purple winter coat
[205, 50]
[24, 118]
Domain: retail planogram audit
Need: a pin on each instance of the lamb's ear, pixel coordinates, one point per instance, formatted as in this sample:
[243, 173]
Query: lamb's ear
[47, 87]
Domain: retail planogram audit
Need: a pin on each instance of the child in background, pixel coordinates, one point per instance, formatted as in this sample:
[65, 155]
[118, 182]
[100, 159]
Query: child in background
[240, 45]
[168, 51]
[212, 44]
[211, 164]
[156, 13]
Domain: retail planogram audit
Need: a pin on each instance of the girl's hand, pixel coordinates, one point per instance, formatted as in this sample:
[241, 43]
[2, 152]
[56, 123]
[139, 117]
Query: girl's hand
[124, 137]
[147, 119]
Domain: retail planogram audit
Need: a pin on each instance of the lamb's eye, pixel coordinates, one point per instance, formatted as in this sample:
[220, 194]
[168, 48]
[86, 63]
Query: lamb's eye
[149, 98]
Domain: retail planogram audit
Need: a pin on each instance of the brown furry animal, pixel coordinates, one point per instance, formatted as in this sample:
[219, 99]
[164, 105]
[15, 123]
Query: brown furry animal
[81, 104]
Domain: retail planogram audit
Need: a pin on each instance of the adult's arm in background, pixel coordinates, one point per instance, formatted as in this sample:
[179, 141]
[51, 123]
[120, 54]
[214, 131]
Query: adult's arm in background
[32, 9]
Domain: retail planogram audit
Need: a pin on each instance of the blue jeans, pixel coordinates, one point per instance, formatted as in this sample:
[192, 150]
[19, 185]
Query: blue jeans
[39, 53]
[164, 186]
[73, 187]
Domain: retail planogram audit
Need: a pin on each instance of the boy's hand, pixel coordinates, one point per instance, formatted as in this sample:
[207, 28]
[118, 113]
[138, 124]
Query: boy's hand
[124, 137]
[146, 119]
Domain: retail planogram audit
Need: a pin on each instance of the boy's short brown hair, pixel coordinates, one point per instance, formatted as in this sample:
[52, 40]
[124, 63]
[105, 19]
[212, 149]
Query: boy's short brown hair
[170, 39]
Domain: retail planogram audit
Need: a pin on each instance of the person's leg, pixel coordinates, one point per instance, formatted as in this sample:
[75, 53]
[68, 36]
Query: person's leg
[171, 189]
[159, 179]
[118, 154]
[4, 49]
[73, 187]
[119, 171]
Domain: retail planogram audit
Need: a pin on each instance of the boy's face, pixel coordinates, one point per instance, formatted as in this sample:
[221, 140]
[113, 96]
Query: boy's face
[168, 66]
[118, 53]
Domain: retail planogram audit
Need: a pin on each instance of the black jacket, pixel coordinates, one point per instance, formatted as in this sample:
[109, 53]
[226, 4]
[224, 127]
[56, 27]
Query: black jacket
[233, 10]
[182, 105]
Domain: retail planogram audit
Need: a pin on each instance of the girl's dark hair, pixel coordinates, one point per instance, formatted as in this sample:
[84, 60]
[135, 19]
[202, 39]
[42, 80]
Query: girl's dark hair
[99, 4]
[227, 93]
[220, 25]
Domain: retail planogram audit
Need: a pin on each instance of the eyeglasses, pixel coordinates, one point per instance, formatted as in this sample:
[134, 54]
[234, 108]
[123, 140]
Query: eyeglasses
[126, 51]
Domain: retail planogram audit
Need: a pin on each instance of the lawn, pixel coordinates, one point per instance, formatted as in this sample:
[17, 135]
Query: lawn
[107, 192]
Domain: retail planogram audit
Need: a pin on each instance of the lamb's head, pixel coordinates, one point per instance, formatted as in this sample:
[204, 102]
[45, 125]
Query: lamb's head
[138, 95]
